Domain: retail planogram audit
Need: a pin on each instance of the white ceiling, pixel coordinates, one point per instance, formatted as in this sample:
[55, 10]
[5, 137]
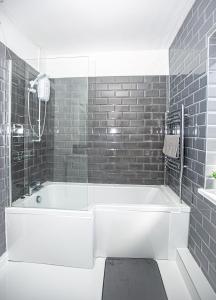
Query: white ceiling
[92, 26]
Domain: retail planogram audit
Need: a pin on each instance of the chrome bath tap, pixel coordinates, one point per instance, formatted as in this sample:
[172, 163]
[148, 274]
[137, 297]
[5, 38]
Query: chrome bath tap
[34, 187]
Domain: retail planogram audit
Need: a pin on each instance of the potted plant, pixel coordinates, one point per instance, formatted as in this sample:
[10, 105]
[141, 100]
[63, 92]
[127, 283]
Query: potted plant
[214, 174]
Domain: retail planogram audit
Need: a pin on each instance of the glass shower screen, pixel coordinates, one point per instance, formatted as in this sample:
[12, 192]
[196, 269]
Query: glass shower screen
[54, 166]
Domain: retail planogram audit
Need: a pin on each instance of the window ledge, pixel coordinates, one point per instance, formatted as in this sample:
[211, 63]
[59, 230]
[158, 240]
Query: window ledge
[209, 194]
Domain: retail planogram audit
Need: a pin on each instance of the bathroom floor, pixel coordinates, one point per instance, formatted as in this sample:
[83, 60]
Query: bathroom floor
[25, 281]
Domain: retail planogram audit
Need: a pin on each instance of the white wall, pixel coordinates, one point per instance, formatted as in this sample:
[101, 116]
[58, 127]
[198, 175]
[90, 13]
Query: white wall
[60, 67]
[17, 42]
[153, 62]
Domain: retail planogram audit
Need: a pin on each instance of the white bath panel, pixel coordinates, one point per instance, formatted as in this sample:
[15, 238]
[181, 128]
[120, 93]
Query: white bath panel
[132, 234]
[63, 238]
[27, 281]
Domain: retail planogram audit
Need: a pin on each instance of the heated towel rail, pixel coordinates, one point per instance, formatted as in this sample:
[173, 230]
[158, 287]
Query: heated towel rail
[174, 124]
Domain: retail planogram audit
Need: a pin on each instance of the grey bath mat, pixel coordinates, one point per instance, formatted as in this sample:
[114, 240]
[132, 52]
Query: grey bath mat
[132, 279]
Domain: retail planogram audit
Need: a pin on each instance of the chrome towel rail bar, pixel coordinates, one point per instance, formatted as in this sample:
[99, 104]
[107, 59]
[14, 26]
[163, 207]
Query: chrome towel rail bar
[174, 124]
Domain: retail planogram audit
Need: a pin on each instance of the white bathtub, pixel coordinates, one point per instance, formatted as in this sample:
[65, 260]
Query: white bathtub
[118, 220]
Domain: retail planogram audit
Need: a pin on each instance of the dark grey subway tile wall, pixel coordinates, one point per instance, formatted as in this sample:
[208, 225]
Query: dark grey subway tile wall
[70, 104]
[109, 129]
[125, 129]
[17, 117]
[4, 149]
[188, 85]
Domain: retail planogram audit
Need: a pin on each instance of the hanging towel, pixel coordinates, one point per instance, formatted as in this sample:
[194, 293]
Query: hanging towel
[171, 146]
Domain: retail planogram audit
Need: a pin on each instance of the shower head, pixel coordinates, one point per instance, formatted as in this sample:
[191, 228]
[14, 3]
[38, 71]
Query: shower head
[43, 87]
[34, 82]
